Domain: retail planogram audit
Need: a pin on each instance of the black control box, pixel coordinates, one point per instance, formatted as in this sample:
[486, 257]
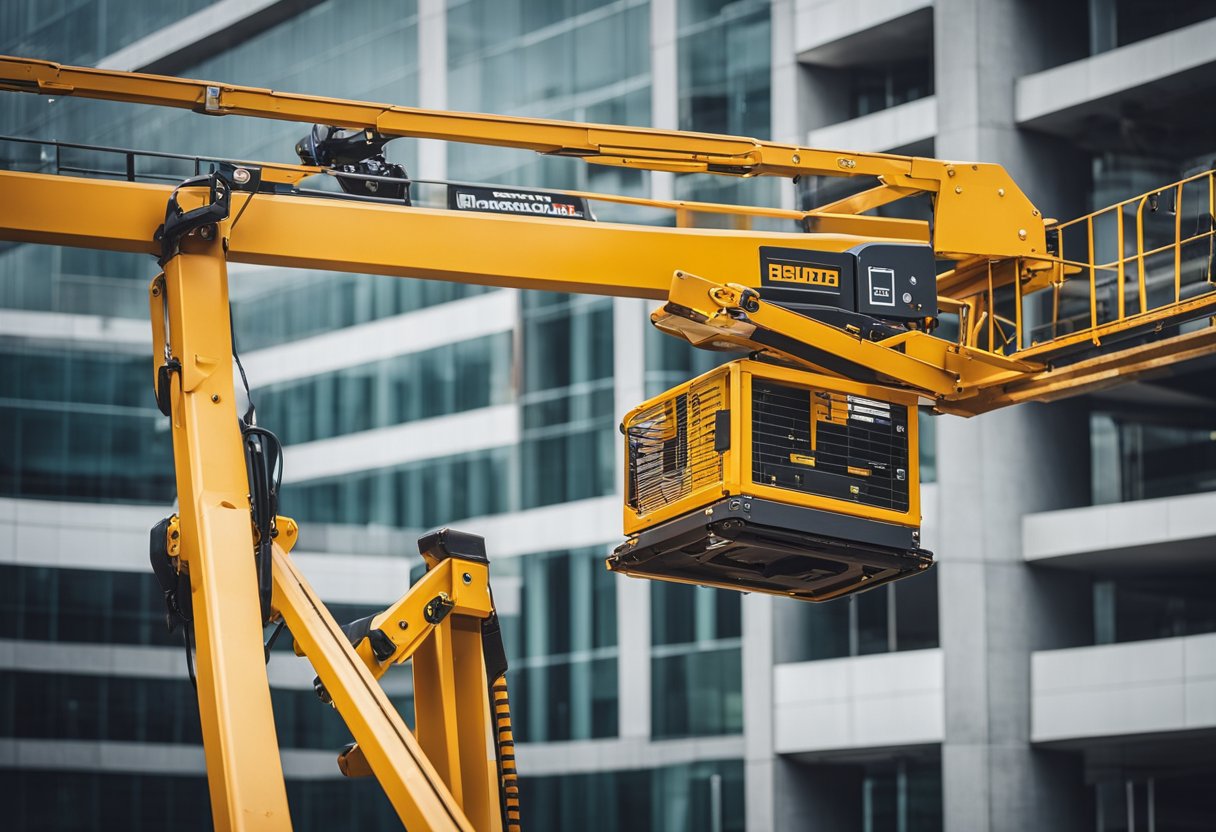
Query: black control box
[890, 281]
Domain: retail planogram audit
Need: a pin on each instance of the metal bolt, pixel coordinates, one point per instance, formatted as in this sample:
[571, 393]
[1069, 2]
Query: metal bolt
[403, 624]
[958, 189]
[241, 176]
[215, 397]
[907, 297]
[156, 291]
[912, 280]
[796, 158]
[1000, 191]
[207, 232]
[733, 505]
[747, 506]
[467, 578]
[1021, 233]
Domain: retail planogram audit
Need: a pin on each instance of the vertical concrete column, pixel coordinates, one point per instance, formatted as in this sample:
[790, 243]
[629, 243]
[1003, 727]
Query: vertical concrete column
[981, 48]
[992, 470]
[432, 82]
[995, 468]
[760, 797]
[786, 86]
[632, 595]
[664, 83]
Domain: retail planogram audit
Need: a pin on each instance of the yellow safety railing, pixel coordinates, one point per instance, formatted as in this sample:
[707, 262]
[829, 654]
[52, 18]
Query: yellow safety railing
[1113, 248]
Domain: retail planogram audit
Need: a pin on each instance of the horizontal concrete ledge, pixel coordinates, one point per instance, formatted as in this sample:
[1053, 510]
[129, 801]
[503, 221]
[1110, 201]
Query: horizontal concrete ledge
[1119, 690]
[371, 450]
[622, 754]
[362, 344]
[864, 702]
[145, 757]
[207, 32]
[840, 33]
[894, 127]
[119, 335]
[1059, 98]
[1166, 532]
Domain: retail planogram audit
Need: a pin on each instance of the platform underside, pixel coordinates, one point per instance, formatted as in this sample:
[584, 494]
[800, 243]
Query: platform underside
[756, 545]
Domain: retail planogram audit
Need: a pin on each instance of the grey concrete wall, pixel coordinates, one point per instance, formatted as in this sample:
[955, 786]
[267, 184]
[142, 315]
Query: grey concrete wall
[992, 469]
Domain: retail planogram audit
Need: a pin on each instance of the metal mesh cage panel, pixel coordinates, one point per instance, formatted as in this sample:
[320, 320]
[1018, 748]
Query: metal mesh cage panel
[830, 444]
[671, 446]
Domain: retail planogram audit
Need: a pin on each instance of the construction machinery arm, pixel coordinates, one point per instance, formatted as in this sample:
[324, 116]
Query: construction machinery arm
[979, 211]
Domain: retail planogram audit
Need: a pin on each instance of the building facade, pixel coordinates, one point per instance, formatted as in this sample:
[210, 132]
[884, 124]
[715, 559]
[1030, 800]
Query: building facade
[1056, 670]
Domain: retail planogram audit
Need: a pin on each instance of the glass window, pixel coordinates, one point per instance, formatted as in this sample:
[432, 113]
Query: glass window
[682, 798]
[1115, 23]
[1153, 606]
[423, 385]
[558, 612]
[84, 31]
[1140, 456]
[696, 664]
[417, 495]
[878, 86]
[91, 801]
[1175, 799]
[904, 794]
[897, 616]
[42, 705]
[82, 425]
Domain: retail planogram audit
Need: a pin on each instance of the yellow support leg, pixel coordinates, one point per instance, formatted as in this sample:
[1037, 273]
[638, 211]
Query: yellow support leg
[243, 767]
[411, 782]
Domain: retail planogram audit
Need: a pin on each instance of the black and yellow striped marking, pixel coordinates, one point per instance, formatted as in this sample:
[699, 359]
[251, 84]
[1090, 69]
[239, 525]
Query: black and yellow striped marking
[508, 776]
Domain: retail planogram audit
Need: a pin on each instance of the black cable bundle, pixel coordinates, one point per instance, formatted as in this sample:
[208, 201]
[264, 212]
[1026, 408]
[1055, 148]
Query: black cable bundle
[264, 464]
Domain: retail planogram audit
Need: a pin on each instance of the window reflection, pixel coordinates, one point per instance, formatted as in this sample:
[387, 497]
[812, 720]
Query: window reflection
[558, 613]
[682, 798]
[696, 661]
[897, 616]
[423, 385]
[1134, 608]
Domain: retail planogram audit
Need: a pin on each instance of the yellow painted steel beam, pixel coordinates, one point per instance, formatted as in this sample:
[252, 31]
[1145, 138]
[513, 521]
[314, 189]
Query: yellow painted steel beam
[980, 210]
[706, 313]
[245, 775]
[1099, 373]
[375, 238]
[524, 252]
[405, 623]
[411, 782]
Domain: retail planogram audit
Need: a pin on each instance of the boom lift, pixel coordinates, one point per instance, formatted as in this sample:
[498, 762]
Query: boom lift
[792, 471]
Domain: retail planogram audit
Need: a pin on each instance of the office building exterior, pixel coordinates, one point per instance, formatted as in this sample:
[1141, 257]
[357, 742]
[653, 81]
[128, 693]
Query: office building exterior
[1056, 670]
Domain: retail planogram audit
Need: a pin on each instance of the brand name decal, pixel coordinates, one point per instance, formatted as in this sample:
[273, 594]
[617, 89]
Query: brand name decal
[497, 201]
[808, 275]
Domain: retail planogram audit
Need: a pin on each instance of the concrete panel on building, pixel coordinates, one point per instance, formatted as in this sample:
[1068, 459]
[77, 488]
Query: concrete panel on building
[1146, 687]
[875, 701]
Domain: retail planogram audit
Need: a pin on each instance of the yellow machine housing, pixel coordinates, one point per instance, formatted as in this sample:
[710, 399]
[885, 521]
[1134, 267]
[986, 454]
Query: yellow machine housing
[759, 477]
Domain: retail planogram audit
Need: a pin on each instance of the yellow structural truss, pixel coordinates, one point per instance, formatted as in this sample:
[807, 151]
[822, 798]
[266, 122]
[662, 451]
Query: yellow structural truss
[1035, 310]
